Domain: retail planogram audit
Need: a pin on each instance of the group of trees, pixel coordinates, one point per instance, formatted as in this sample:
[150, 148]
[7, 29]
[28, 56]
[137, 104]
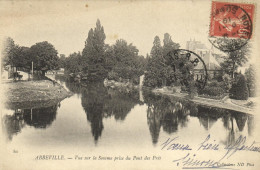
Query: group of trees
[98, 60]
[242, 86]
[43, 55]
[119, 61]
[159, 71]
[126, 63]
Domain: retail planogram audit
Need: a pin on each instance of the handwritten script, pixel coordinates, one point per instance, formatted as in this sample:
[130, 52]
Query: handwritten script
[191, 162]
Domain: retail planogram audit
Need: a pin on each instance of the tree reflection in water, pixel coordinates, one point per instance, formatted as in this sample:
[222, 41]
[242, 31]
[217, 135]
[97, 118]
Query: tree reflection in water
[100, 102]
[169, 113]
[92, 100]
[36, 117]
[166, 112]
[13, 124]
[230, 119]
[172, 113]
[40, 117]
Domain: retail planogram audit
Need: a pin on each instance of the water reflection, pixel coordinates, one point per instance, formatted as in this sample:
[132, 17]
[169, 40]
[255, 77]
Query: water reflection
[36, 117]
[171, 114]
[13, 124]
[100, 102]
[164, 115]
[40, 117]
[93, 99]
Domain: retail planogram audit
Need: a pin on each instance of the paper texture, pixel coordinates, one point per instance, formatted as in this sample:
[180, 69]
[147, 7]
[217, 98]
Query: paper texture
[129, 133]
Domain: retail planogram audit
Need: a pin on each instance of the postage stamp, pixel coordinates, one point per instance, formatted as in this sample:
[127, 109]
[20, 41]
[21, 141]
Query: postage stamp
[231, 25]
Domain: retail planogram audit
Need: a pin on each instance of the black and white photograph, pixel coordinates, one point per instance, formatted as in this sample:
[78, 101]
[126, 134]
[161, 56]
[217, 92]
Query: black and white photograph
[129, 84]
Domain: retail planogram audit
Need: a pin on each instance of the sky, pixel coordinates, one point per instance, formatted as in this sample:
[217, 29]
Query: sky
[65, 24]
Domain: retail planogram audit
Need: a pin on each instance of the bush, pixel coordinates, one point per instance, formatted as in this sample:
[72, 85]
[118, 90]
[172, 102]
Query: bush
[213, 88]
[212, 91]
[227, 82]
[192, 90]
[215, 83]
[239, 89]
[250, 75]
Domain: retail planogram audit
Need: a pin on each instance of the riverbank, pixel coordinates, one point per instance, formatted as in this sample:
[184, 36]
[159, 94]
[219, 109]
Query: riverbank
[25, 94]
[225, 103]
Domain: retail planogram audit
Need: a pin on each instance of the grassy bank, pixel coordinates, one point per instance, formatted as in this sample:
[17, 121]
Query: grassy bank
[29, 94]
[218, 103]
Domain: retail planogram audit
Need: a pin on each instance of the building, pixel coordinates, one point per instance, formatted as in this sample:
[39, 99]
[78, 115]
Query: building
[212, 60]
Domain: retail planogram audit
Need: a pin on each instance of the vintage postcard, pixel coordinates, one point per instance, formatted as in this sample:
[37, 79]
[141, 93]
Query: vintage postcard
[130, 84]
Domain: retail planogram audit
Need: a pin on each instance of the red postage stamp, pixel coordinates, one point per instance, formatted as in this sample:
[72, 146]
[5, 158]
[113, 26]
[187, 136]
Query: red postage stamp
[231, 20]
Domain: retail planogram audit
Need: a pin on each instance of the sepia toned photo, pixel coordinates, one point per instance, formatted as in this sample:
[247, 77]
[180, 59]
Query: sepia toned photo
[130, 85]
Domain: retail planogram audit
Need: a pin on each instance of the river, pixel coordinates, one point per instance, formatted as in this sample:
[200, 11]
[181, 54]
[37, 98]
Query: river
[98, 118]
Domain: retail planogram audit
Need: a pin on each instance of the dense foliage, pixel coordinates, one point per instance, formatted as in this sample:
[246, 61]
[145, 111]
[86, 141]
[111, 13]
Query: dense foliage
[235, 59]
[239, 89]
[213, 88]
[250, 74]
[43, 55]
[98, 61]
[159, 72]
[73, 63]
[125, 61]
[94, 58]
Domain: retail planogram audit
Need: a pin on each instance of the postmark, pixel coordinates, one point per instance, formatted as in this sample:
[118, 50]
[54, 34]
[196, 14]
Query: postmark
[190, 65]
[231, 25]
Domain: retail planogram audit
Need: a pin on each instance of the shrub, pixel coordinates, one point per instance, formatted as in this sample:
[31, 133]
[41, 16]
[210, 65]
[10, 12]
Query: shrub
[213, 84]
[239, 89]
[250, 75]
[227, 82]
[192, 89]
[212, 91]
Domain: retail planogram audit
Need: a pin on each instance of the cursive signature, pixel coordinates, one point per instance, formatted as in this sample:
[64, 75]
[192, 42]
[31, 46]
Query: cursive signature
[190, 161]
[170, 144]
[239, 145]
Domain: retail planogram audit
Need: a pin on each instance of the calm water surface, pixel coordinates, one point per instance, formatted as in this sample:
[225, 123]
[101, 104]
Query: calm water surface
[96, 117]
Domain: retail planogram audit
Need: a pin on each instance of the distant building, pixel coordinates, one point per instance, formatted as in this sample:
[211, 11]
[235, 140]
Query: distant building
[211, 59]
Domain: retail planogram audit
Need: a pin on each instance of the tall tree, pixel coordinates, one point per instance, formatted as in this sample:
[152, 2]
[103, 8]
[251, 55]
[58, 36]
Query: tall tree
[250, 75]
[11, 53]
[44, 56]
[235, 59]
[94, 54]
[8, 52]
[155, 65]
[159, 71]
[168, 44]
[15, 55]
